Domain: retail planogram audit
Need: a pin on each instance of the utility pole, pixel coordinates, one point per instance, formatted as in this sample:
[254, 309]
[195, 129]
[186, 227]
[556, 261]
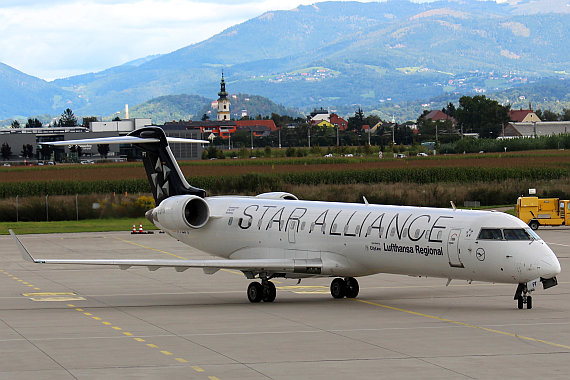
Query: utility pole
[337, 136]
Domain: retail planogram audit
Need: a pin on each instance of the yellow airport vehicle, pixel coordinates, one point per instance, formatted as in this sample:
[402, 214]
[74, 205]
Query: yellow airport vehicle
[537, 212]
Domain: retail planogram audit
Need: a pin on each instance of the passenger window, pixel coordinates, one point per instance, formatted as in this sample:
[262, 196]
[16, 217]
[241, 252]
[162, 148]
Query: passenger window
[490, 234]
[515, 234]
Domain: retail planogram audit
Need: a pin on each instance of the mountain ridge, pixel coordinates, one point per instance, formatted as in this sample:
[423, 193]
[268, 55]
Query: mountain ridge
[345, 53]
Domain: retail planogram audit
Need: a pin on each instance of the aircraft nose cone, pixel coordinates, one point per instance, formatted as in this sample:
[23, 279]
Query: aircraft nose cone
[550, 266]
[148, 216]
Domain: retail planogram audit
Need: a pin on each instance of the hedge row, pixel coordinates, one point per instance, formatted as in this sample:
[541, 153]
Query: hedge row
[252, 183]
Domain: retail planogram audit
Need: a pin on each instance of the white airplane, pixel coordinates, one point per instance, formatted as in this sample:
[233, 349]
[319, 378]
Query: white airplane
[275, 235]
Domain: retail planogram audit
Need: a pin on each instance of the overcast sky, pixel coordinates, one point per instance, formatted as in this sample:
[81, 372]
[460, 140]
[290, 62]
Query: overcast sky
[60, 38]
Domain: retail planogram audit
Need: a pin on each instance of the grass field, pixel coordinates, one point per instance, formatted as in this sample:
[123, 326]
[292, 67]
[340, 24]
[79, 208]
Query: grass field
[123, 171]
[88, 225]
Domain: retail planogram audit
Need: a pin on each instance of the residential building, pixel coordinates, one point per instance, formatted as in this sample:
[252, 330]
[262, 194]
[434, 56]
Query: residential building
[532, 129]
[523, 116]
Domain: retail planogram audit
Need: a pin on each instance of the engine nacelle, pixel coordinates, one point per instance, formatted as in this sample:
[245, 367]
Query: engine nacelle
[278, 195]
[180, 212]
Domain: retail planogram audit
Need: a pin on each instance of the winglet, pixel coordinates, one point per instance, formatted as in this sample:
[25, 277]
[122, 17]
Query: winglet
[25, 254]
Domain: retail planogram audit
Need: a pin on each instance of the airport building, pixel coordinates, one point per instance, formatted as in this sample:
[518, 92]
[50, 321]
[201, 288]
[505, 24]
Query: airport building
[17, 138]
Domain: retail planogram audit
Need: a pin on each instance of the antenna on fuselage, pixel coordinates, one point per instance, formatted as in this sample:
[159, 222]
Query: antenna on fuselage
[365, 200]
[453, 205]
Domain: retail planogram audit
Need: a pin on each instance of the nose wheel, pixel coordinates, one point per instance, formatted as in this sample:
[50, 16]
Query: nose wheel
[522, 296]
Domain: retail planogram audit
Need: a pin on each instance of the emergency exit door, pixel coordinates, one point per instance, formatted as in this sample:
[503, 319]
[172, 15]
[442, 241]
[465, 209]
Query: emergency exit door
[453, 251]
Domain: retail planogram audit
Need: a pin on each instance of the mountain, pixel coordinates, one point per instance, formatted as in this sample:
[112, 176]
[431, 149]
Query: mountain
[193, 107]
[22, 95]
[349, 54]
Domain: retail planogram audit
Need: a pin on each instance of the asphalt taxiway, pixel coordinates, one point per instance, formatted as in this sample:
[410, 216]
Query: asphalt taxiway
[92, 322]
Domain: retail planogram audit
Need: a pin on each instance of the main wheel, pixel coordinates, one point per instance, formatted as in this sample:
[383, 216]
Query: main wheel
[255, 292]
[352, 287]
[520, 302]
[269, 292]
[338, 288]
[533, 224]
[529, 302]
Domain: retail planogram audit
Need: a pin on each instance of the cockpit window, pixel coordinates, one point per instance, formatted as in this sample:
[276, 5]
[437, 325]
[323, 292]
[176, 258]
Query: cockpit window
[515, 234]
[532, 234]
[490, 234]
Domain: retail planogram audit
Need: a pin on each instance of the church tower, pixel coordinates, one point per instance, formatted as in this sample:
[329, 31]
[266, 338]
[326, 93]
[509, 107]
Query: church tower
[223, 102]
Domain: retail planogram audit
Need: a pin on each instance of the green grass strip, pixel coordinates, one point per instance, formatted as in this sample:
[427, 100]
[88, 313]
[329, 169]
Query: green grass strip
[66, 226]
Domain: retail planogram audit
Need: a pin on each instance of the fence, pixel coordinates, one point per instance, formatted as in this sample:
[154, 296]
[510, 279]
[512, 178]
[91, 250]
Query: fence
[73, 207]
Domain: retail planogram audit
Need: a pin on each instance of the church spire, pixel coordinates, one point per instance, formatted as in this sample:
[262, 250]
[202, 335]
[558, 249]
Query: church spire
[222, 94]
[223, 102]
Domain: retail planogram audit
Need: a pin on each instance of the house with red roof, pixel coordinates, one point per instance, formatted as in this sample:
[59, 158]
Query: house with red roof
[523, 116]
[269, 124]
[437, 115]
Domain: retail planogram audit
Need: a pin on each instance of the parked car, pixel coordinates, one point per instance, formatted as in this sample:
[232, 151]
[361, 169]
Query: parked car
[421, 154]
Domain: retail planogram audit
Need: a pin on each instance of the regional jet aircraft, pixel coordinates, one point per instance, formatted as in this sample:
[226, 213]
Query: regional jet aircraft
[275, 235]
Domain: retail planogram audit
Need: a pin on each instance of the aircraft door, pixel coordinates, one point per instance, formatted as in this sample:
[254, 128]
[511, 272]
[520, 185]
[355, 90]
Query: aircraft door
[453, 251]
[292, 230]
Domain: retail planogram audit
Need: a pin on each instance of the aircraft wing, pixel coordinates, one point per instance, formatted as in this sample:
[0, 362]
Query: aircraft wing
[124, 140]
[209, 266]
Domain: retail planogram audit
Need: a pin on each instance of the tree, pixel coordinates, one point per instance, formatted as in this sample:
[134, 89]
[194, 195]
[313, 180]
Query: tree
[46, 151]
[356, 122]
[117, 118]
[205, 117]
[449, 110]
[68, 119]
[33, 123]
[76, 151]
[566, 114]
[103, 149]
[16, 124]
[481, 115]
[548, 115]
[6, 151]
[27, 151]
[87, 120]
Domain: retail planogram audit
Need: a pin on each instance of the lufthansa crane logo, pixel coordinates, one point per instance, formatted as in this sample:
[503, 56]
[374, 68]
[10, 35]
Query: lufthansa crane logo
[480, 254]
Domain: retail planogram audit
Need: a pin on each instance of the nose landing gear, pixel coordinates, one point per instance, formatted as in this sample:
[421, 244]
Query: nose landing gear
[522, 296]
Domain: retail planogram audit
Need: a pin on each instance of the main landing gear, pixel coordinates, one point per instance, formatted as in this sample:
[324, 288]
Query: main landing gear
[522, 298]
[265, 291]
[347, 287]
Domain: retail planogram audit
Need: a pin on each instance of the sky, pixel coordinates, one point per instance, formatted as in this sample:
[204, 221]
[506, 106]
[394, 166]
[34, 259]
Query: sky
[60, 38]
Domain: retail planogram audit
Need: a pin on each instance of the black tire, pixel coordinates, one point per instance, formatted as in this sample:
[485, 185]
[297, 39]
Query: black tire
[269, 292]
[338, 288]
[529, 302]
[533, 224]
[352, 287]
[255, 292]
[520, 302]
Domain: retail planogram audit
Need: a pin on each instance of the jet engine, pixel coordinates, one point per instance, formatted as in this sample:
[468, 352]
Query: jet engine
[180, 212]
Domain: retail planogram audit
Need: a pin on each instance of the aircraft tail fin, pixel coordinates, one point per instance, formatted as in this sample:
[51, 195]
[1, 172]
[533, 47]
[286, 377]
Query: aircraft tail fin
[164, 174]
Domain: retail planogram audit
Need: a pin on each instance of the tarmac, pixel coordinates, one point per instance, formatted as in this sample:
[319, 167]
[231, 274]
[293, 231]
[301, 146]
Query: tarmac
[93, 322]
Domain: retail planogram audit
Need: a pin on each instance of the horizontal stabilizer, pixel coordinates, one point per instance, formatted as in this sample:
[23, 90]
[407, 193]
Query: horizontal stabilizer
[124, 140]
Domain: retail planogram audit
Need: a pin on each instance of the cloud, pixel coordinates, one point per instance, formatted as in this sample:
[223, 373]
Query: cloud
[60, 38]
